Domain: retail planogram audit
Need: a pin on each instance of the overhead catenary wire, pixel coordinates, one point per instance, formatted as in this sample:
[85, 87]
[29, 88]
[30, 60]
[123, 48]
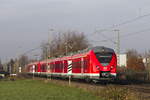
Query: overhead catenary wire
[120, 24]
[135, 33]
[33, 49]
[125, 35]
[110, 39]
[126, 22]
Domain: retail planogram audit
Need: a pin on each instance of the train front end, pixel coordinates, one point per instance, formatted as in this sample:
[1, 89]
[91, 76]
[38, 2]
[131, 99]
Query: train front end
[104, 62]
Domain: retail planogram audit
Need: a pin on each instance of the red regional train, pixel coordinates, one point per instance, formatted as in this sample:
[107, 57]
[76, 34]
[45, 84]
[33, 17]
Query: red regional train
[91, 64]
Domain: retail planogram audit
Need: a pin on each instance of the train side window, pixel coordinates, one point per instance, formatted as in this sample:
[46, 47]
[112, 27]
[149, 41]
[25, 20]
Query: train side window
[51, 66]
[57, 65]
[54, 66]
[65, 65]
[86, 63]
[43, 67]
[76, 63]
[61, 65]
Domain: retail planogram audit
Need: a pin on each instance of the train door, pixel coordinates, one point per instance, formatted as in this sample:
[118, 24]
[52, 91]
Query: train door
[86, 64]
[48, 68]
[33, 69]
[63, 65]
[82, 66]
[39, 67]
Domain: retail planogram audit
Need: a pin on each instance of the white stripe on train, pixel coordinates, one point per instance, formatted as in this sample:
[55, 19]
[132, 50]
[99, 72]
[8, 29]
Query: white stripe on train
[77, 74]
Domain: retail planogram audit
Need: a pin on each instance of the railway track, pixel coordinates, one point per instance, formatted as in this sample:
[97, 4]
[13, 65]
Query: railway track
[142, 90]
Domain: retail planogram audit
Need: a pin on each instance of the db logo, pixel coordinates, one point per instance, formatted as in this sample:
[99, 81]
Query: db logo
[105, 68]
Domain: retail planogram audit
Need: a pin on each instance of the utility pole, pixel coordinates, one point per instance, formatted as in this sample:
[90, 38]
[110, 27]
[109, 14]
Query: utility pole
[69, 65]
[66, 47]
[117, 43]
[49, 51]
[118, 46]
[49, 40]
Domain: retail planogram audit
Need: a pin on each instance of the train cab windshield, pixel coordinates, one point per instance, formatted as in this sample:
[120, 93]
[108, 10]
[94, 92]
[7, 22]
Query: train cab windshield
[104, 58]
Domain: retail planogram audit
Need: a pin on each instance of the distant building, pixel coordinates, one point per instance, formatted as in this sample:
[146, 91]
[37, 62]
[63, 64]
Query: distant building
[146, 62]
[122, 60]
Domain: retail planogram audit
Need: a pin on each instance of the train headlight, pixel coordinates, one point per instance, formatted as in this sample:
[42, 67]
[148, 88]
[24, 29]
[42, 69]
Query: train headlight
[112, 67]
[98, 68]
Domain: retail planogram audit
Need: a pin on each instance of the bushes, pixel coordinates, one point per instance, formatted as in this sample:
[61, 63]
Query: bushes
[136, 75]
[132, 75]
[115, 93]
[135, 60]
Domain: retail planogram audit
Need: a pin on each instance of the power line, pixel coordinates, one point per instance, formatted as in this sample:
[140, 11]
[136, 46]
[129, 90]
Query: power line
[33, 49]
[123, 23]
[127, 35]
[135, 33]
[106, 37]
[126, 22]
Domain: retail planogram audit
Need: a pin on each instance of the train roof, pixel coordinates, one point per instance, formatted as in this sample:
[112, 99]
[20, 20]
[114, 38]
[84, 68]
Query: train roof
[79, 53]
[101, 49]
[83, 52]
[95, 49]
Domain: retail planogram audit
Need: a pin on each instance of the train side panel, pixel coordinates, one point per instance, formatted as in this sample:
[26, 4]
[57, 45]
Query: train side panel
[85, 66]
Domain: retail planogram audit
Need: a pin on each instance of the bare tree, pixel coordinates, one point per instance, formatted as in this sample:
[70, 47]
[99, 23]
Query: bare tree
[1, 66]
[63, 43]
[44, 53]
[11, 66]
[135, 60]
[23, 60]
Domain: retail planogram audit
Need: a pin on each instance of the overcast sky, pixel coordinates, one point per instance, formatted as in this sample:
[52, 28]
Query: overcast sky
[24, 24]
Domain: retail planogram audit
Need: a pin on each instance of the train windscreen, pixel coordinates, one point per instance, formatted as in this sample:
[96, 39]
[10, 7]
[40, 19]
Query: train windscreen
[104, 58]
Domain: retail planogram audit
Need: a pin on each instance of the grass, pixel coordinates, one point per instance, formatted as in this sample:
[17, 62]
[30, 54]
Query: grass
[39, 90]
[106, 92]
[27, 89]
